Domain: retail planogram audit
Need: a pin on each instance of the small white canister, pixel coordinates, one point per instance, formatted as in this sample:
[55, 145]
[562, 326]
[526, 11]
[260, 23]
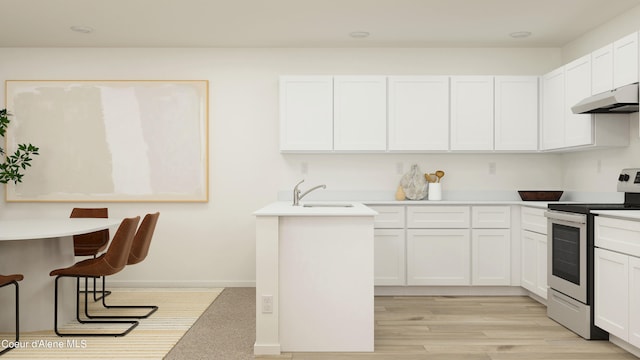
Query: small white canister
[435, 191]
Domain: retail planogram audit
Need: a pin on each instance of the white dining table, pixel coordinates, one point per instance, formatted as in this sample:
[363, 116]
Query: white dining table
[34, 247]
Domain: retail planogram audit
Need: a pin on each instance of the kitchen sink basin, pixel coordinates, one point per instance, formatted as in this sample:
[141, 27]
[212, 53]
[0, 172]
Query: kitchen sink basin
[329, 205]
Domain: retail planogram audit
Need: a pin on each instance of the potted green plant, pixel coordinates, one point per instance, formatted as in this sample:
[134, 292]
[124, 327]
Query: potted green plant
[13, 166]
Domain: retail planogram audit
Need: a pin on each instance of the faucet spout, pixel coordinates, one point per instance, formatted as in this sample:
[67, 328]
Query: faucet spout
[297, 195]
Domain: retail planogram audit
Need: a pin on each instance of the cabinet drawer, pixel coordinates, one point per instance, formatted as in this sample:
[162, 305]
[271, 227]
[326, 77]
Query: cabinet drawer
[618, 235]
[533, 219]
[389, 217]
[491, 217]
[438, 217]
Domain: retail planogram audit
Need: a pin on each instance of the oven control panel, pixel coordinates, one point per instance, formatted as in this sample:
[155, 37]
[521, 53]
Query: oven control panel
[629, 180]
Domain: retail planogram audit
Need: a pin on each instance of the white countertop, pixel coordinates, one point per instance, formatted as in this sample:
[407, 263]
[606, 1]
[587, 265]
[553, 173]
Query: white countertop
[537, 204]
[284, 208]
[620, 214]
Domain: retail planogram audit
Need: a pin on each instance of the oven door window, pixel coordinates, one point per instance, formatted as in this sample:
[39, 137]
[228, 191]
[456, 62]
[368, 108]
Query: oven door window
[566, 253]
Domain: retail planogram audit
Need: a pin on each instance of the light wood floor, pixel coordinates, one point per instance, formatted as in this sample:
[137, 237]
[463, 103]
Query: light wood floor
[470, 328]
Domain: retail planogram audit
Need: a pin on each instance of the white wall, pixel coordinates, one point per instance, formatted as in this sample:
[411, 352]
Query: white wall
[213, 243]
[598, 170]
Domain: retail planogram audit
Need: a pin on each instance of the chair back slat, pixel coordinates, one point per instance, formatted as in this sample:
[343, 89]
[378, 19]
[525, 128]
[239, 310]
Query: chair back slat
[142, 239]
[118, 251]
[90, 243]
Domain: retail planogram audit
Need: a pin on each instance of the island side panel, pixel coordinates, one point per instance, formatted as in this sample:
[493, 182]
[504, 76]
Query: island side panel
[326, 283]
[267, 332]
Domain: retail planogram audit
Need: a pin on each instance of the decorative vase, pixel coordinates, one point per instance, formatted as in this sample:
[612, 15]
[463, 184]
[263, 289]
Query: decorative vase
[400, 194]
[414, 184]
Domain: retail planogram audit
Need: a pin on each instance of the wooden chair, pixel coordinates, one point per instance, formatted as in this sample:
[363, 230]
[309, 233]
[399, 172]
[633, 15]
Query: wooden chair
[109, 263]
[139, 251]
[6, 280]
[91, 244]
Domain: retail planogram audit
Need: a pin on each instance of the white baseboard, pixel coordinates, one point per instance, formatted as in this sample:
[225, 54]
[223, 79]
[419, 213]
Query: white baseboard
[266, 349]
[624, 345]
[449, 291]
[178, 284]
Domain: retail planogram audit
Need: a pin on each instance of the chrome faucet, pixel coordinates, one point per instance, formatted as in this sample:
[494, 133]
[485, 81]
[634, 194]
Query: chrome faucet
[296, 192]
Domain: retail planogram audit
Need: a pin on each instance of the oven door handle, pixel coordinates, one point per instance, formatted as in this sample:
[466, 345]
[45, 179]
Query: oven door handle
[556, 215]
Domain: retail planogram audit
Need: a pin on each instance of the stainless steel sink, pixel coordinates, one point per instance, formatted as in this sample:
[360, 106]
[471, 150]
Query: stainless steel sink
[329, 205]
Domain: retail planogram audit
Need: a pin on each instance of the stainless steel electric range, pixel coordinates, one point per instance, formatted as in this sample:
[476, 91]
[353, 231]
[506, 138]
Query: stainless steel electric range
[571, 257]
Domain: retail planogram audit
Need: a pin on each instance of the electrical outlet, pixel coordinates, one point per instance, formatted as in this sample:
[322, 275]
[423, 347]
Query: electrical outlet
[492, 168]
[304, 168]
[267, 304]
[599, 166]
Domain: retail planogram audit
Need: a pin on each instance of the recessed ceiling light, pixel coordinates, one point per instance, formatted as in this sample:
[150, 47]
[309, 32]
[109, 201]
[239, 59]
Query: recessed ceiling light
[520, 34]
[82, 29]
[359, 34]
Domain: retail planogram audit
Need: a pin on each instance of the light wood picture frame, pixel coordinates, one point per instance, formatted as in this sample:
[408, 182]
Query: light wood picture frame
[110, 140]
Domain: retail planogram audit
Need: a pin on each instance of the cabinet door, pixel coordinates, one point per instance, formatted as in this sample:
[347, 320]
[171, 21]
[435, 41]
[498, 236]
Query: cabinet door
[389, 257]
[516, 113]
[611, 293]
[553, 110]
[418, 113]
[602, 70]
[360, 113]
[491, 257]
[625, 60]
[634, 301]
[528, 260]
[438, 257]
[578, 129]
[306, 113]
[541, 260]
[534, 263]
[472, 113]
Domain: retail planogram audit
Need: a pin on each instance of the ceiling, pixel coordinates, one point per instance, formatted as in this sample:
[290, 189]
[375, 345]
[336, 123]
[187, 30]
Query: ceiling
[301, 23]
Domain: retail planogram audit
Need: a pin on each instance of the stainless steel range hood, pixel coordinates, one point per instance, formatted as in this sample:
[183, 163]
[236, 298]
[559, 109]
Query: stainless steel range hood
[617, 101]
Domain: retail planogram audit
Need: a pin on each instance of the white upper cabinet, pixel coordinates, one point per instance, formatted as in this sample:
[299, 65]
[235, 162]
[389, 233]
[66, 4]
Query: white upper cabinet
[578, 127]
[625, 60]
[472, 113]
[418, 113]
[552, 123]
[615, 64]
[360, 113]
[516, 113]
[306, 113]
[602, 70]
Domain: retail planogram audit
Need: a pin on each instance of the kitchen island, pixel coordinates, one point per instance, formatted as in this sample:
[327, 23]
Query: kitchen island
[314, 278]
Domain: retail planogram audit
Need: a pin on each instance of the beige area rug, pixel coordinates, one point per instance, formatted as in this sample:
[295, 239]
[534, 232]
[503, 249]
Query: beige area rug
[152, 339]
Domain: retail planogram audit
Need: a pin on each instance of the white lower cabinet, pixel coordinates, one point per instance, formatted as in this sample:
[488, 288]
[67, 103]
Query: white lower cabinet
[389, 265]
[617, 278]
[389, 257]
[533, 256]
[612, 292]
[438, 257]
[534, 262]
[442, 245]
[634, 301]
[491, 257]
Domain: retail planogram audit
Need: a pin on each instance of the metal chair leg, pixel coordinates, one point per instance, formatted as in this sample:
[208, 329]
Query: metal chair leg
[152, 309]
[104, 292]
[15, 283]
[132, 324]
